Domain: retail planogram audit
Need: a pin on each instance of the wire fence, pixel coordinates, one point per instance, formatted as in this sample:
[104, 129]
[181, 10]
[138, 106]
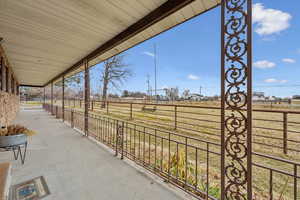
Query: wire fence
[190, 163]
[278, 129]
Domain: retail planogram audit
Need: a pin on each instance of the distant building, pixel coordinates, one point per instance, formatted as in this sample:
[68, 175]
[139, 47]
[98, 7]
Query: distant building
[271, 98]
[296, 97]
[258, 96]
[195, 97]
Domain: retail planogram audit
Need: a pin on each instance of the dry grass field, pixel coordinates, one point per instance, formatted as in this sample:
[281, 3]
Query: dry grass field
[147, 138]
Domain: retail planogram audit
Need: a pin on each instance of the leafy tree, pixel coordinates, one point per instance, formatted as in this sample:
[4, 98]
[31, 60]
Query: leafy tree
[137, 94]
[125, 93]
[113, 96]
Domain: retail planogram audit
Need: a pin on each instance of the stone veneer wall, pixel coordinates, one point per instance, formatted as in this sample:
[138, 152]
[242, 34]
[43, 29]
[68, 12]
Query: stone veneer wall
[9, 107]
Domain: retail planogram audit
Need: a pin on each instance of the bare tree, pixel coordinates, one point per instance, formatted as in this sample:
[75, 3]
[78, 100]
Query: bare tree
[114, 74]
[31, 93]
[172, 93]
[186, 94]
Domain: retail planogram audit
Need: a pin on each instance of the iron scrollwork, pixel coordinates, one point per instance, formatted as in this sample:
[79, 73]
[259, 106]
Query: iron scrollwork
[235, 97]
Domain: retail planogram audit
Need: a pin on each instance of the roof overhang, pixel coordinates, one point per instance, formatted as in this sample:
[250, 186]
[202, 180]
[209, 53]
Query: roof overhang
[45, 40]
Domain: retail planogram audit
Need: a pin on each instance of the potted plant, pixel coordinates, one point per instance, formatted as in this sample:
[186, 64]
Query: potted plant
[14, 135]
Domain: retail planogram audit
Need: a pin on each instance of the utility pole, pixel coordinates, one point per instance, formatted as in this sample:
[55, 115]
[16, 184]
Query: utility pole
[200, 90]
[155, 73]
[148, 86]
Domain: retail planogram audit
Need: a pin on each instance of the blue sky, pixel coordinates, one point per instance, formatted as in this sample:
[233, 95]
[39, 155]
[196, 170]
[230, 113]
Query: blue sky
[188, 56]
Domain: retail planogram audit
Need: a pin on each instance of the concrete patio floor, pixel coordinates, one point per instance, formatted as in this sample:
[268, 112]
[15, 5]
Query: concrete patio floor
[77, 168]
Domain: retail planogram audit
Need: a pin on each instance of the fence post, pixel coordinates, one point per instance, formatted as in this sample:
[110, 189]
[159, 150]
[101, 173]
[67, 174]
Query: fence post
[117, 137]
[130, 110]
[63, 98]
[72, 118]
[52, 98]
[107, 111]
[56, 112]
[44, 95]
[175, 116]
[285, 132]
[86, 97]
[122, 138]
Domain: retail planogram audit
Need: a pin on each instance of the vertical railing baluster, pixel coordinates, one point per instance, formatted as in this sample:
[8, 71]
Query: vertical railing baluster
[169, 156]
[117, 138]
[295, 182]
[177, 160]
[112, 133]
[144, 143]
[161, 154]
[122, 138]
[207, 170]
[130, 138]
[134, 141]
[175, 117]
[102, 130]
[139, 154]
[285, 122]
[186, 161]
[196, 170]
[271, 184]
[155, 147]
[149, 147]
[126, 138]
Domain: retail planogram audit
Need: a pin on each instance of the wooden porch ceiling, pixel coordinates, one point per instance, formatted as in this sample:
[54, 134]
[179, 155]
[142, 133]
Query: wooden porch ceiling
[46, 39]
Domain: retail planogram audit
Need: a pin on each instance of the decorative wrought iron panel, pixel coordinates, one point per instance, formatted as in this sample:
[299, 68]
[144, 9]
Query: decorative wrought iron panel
[236, 99]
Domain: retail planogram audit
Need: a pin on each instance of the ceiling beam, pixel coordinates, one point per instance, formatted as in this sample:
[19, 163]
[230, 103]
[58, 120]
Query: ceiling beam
[153, 17]
[36, 86]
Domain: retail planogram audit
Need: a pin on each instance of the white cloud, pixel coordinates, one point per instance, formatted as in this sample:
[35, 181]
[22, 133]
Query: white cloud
[288, 60]
[264, 64]
[193, 77]
[149, 54]
[269, 21]
[273, 80]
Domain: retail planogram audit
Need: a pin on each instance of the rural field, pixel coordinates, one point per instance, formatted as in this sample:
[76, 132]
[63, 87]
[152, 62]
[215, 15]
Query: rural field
[183, 139]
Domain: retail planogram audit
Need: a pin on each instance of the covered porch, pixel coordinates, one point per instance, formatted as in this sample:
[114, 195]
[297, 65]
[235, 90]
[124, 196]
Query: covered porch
[78, 168]
[46, 42]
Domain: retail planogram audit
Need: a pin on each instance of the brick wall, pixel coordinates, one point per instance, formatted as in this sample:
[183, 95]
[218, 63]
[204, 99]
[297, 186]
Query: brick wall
[9, 99]
[9, 107]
